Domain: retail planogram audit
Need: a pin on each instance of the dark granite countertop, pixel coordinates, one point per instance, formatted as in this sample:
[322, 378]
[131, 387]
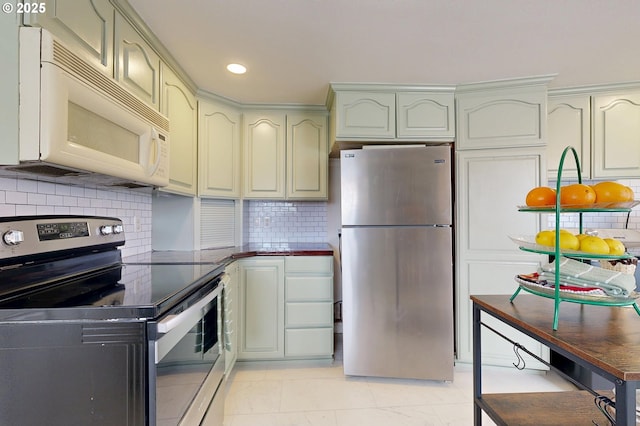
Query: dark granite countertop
[224, 256]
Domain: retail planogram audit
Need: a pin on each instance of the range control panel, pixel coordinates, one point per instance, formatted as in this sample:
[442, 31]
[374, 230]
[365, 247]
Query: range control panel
[31, 235]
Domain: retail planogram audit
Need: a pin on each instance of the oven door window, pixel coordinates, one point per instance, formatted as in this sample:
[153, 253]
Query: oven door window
[183, 370]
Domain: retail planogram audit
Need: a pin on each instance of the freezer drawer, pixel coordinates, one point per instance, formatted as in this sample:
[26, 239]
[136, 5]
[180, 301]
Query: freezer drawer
[398, 302]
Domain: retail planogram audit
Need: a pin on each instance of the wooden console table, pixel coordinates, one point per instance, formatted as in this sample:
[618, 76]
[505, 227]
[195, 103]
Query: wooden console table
[605, 340]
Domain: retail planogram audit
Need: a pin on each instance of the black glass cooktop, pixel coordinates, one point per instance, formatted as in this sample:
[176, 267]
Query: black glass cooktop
[141, 291]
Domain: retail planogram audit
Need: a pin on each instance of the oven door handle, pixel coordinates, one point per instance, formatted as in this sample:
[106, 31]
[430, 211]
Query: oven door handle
[170, 322]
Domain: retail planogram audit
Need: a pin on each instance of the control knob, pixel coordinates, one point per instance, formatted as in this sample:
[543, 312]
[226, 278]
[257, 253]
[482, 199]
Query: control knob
[118, 229]
[13, 237]
[106, 230]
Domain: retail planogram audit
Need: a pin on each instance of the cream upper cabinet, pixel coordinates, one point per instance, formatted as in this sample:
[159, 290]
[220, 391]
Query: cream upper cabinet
[137, 65]
[264, 155]
[569, 124]
[616, 135]
[502, 114]
[425, 115]
[85, 26]
[219, 128]
[307, 156]
[179, 105]
[285, 155]
[392, 113]
[365, 115]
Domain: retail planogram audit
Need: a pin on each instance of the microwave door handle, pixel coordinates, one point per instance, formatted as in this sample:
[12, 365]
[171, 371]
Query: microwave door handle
[155, 142]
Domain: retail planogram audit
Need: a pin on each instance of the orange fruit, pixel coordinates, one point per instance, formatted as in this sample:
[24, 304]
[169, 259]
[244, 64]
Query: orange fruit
[577, 194]
[612, 192]
[541, 196]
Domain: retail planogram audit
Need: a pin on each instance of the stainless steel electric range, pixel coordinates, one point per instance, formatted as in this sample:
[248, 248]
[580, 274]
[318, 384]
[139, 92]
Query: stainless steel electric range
[86, 339]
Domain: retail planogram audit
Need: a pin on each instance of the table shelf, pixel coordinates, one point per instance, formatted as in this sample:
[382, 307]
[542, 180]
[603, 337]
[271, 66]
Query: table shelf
[601, 339]
[551, 408]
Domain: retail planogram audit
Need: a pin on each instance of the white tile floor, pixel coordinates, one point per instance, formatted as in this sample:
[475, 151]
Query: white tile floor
[316, 393]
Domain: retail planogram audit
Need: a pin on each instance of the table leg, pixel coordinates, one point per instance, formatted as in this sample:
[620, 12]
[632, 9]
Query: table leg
[477, 367]
[625, 403]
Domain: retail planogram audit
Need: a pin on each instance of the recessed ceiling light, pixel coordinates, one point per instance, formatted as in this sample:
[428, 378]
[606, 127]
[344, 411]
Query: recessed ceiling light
[237, 68]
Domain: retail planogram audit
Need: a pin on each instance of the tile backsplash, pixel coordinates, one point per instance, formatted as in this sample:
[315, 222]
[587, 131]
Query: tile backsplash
[22, 197]
[601, 220]
[285, 221]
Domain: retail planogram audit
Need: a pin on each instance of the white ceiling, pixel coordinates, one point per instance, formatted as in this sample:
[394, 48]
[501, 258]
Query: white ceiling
[293, 49]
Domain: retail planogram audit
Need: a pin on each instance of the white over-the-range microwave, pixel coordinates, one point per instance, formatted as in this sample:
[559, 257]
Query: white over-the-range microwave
[77, 123]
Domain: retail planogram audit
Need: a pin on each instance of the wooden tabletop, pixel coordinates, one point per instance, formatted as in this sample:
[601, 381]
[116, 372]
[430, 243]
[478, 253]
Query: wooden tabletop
[607, 337]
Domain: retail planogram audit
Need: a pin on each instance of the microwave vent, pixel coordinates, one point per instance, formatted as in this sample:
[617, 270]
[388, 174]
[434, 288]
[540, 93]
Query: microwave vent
[86, 72]
[46, 170]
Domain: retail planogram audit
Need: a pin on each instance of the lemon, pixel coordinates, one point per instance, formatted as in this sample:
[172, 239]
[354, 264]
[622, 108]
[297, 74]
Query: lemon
[595, 245]
[546, 238]
[581, 236]
[568, 241]
[616, 247]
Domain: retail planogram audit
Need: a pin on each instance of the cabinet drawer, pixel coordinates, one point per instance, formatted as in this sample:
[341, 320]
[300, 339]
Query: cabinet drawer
[309, 342]
[308, 264]
[309, 288]
[309, 314]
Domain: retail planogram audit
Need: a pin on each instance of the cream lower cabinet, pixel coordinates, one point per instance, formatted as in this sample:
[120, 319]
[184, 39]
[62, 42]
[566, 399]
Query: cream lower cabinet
[286, 308]
[179, 105]
[230, 317]
[219, 128]
[261, 313]
[308, 306]
[490, 185]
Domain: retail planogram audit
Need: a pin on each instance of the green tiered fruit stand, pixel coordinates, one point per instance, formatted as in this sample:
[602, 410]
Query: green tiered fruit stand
[557, 252]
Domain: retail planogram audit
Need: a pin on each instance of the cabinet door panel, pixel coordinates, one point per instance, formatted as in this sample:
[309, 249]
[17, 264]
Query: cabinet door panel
[307, 156]
[219, 145]
[308, 314]
[424, 115]
[309, 342]
[616, 139]
[84, 26]
[362, 115]
[490, 186]
[505, 114]
[179, 105]
[264, 156]
[137, 65]
[309, 288]
[569, 124]
[261, 309]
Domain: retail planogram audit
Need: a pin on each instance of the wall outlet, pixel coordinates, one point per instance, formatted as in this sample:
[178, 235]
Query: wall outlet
[266, 221]
[137, 225]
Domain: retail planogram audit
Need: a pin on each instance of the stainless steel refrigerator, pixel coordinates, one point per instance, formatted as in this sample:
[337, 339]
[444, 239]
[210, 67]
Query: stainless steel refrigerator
[397, 262]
